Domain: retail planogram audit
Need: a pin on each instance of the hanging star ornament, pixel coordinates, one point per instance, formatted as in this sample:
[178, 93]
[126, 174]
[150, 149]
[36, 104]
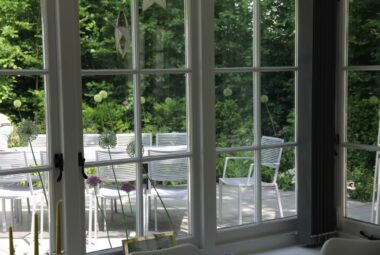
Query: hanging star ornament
[122, 35]
[148, 3]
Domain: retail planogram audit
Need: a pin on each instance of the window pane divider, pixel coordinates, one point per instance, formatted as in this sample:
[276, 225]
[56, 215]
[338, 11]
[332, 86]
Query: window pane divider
[137, 160]
[361, 146]
[362, 68]
[91, 72]
[254, 148]
[24, 170]
[255, 69]
[24, 72]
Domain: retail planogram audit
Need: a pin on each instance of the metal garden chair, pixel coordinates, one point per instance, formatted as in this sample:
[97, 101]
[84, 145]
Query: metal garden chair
[270, 158]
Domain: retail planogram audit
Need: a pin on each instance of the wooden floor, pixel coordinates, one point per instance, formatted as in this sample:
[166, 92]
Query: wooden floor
[178, 213]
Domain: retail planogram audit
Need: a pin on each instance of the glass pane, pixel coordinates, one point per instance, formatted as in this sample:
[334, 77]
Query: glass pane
[108, 116]
[105, 30]
[360, 174]
[163, 111]
[167, 204]
[278, 183]
[277, 33]
[22, 118]
[162, 34]
[235, 189]
[363, 34]
[22, 196]
[278, 106]
[234, 109]
[233, 33]
[363, 107]
[21, 35]
[109, 216]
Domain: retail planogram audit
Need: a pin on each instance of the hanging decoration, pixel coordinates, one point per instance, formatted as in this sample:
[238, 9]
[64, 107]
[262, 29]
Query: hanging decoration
[122, 34]
[148, 3]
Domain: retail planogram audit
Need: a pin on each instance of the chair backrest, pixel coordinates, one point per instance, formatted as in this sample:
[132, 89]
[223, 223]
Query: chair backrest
[90, 140]
[126, 138]
[171, 139]
[175, 169]
[271, 157]
[40, 141]
[15, 159]
[123, 172]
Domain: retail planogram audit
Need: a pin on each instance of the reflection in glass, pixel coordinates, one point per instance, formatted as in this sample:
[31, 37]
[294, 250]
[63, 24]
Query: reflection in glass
[278, 105]
[360, 184]
[363, 107]
[234, 109]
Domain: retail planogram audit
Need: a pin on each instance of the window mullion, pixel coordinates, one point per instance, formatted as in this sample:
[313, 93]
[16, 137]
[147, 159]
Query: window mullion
[137, 120]
[257, 107]
[70, 90]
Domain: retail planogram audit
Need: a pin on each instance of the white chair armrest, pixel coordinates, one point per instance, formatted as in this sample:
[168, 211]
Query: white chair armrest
[233, 158]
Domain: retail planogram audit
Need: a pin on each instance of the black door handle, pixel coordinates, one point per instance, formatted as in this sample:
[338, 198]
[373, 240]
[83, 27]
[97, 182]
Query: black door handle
[81, 161]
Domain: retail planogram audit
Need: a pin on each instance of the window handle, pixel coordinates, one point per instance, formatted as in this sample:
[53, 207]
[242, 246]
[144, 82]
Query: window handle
[58, 163]
[81, 161]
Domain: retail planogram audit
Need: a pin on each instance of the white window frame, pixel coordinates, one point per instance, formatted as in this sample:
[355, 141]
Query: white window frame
[64, 95]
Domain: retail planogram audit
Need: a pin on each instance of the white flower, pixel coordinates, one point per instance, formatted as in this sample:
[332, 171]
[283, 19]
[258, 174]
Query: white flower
[374, 100]
[227, 92]
[98, 98]
[103, 94]
[17, 103]
[264, 98]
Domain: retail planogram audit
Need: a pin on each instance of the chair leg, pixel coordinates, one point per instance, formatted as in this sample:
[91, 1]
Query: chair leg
[220, 201]
[90, 204]
[42, 220]
[239, 206]
[12, 212]
[3, 215]
[279, 201]
[28, 204]
[155, 213]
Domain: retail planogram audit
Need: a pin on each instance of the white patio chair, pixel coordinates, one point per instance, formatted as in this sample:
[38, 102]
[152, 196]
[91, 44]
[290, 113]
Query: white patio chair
[270, 158]
[90, 140]
[123, 172]
[11, 189]
[40, 141]
[171, 139]
[125, 139]
[167, 170]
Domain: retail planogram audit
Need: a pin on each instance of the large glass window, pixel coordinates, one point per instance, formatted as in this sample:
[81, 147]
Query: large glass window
[255, 110]
[135, 119]
[360, 116]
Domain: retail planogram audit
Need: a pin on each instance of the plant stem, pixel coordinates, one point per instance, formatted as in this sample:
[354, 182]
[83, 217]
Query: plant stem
[130, 204]
[105, 220]
[271, 119]
[118, 192]
[38, 172]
